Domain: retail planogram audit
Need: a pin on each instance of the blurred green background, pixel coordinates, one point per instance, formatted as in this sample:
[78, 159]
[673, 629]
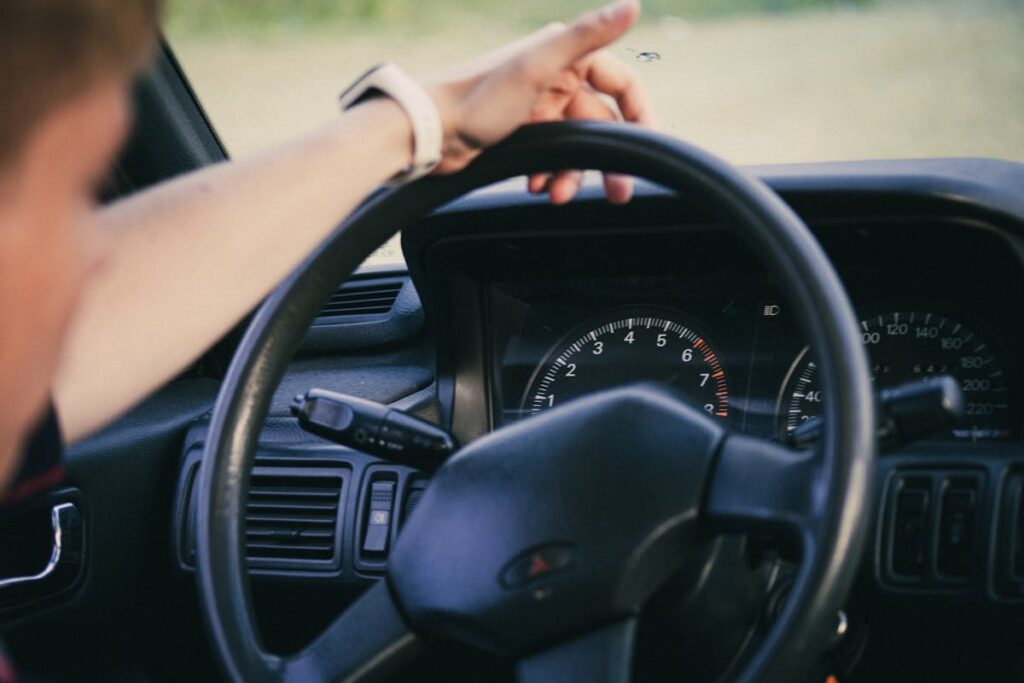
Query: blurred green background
[755, 81]
[285, 15]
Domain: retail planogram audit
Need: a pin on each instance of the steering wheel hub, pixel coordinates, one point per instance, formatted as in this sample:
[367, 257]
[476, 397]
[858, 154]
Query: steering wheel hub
[608, 486]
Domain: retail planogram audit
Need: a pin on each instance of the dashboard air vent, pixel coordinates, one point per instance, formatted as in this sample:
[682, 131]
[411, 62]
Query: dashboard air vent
[363, 297]
[293, 516]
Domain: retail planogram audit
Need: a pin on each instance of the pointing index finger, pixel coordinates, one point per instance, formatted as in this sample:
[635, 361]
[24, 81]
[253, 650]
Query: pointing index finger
[588, 33]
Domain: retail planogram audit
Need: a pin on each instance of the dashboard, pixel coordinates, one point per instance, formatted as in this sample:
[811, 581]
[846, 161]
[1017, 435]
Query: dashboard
[531, 306]
[564, 314]
[516, 307]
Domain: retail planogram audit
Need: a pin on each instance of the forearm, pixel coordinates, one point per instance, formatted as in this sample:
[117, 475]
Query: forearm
[193, 255]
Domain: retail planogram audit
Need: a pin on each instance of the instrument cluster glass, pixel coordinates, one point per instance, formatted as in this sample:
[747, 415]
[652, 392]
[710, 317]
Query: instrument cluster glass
[776, 387]
[631, 345]
[698, 312]
[904, 346]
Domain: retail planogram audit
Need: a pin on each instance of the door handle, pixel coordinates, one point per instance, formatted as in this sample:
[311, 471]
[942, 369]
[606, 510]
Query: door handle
[62, 517]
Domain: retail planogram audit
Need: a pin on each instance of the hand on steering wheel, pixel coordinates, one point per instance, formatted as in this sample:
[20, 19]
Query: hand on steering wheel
[558, 73]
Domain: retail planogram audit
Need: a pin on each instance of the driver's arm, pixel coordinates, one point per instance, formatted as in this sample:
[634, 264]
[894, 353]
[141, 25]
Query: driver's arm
[193, 255]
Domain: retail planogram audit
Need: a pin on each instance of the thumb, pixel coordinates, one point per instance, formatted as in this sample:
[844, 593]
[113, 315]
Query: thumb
[590, 32]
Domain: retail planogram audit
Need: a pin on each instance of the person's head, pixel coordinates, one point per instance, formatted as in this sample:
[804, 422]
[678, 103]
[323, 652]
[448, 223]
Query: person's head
[65, 69]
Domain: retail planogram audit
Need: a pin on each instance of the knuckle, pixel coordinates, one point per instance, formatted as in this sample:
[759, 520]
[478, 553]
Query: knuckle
[597, 21]
[614, 61]
[613, 66]
[566, 83]
[586, 31]
[534, 70]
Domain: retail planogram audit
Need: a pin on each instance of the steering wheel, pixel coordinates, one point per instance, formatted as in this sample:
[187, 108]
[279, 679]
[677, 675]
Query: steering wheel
[543, 540]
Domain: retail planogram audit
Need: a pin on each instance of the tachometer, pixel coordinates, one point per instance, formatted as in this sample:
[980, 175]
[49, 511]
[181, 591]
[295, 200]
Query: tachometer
[631, 345]
[912, 345]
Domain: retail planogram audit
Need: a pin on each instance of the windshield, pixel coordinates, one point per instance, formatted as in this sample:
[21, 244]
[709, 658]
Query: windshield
[756, 81]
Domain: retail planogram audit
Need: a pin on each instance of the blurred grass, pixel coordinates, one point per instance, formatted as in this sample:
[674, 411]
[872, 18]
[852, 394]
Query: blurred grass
[276, 16]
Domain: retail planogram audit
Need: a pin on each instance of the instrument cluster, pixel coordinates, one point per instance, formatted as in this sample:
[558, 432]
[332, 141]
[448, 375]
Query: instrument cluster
[706, 319]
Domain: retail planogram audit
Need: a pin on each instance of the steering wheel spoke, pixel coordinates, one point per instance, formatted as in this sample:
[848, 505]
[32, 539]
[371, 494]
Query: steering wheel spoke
[760, 486]
[369, 641]
[601, 656]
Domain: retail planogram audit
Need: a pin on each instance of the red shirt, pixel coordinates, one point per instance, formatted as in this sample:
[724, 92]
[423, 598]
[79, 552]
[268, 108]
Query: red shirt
[41, 465]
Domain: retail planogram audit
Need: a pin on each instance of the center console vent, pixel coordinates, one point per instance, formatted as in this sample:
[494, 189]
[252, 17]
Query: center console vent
[293, 517]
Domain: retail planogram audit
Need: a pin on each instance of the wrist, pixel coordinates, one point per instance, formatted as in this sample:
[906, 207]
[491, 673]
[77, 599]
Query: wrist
[400, 140]
[380, 123]
[415, 102]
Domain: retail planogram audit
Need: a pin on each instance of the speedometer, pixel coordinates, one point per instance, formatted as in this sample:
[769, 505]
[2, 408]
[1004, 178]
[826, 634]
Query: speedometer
[631, 345]
[906, 346]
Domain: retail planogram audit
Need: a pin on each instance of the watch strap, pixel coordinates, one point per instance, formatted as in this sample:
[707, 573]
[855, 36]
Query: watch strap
[389, 80]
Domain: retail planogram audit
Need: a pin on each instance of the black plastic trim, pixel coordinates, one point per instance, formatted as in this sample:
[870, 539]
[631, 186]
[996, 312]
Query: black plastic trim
[402, 322]
[990, 464]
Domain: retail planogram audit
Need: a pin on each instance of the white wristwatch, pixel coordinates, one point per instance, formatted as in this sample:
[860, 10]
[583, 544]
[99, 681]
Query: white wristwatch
[391, 81]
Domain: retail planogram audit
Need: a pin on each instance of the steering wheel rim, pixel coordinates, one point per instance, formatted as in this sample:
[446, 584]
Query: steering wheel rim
[841, 484]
